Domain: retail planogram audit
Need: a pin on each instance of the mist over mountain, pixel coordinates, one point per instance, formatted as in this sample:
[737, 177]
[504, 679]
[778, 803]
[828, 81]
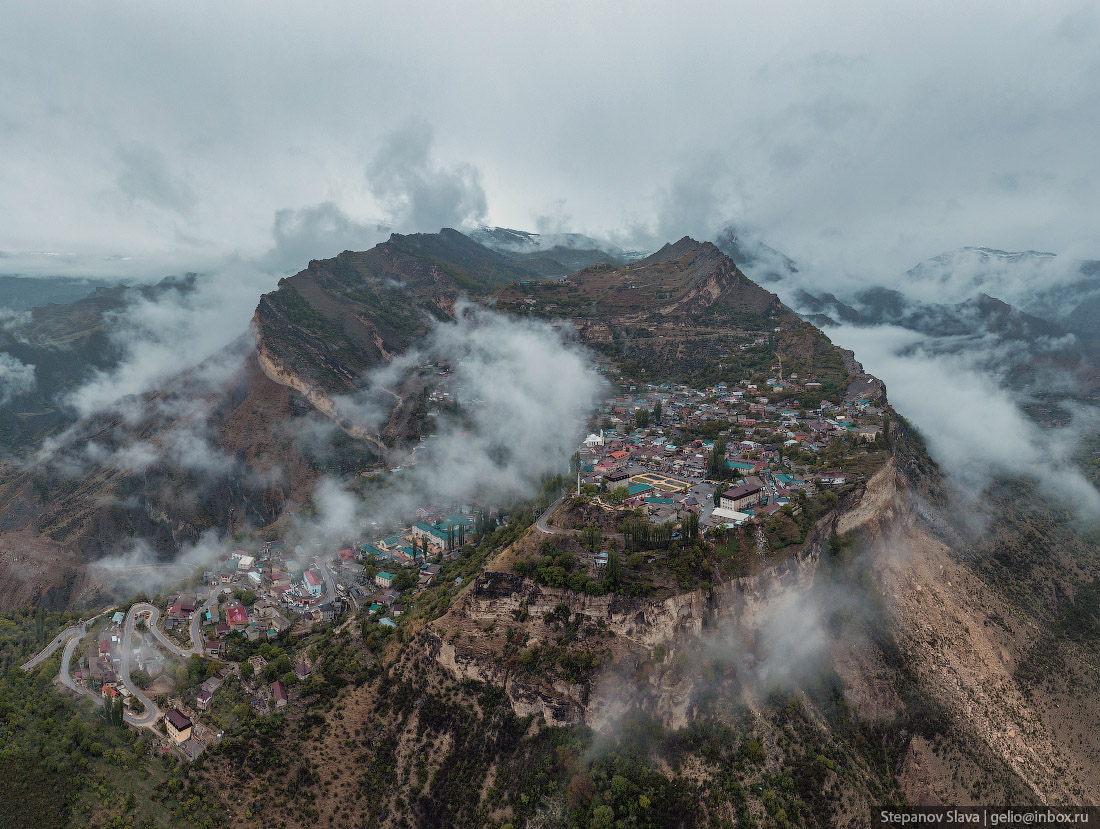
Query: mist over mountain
[534, 415]
[435, 368]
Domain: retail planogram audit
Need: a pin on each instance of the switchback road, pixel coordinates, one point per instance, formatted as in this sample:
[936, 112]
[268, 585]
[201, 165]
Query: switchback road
[48, 651]
[69, 632]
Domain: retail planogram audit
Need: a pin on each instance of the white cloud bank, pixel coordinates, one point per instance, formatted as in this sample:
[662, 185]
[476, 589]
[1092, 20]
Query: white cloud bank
[974, 427]
[527, 395]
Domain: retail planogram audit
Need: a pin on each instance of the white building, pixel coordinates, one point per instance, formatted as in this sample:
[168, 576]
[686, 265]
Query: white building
[313, 584]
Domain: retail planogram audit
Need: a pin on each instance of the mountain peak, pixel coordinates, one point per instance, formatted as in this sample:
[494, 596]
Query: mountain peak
[678, 249]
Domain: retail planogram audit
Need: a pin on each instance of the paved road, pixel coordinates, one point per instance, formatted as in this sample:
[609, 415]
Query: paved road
[152, 713]
[541, 524]
[72, 636]
[143, 609]
[48, 651]
[66, 677]
[330, 585]
[74, 630]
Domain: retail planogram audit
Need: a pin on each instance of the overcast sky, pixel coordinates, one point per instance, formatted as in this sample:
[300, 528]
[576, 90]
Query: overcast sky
[849, 134]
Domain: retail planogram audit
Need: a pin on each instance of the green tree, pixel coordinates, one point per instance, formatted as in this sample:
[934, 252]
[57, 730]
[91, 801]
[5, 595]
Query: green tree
[603, 817]
[716, 461]
[690, 526]
[613, 572]
[657, 412]
[591, 537]
[641, 418]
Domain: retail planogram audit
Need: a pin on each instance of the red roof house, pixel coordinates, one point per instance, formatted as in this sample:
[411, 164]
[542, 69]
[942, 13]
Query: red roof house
[237, 615]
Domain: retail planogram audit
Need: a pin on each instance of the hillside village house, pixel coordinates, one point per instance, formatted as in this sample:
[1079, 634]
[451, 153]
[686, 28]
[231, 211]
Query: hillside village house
[741, 497]
[178, 725]
[313, 584]
[384, 579]
[435, 536]
[278, 692]
[182, 608]
[236, 615]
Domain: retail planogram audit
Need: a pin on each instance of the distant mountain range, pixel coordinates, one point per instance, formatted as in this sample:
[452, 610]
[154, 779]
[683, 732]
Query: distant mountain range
[1024, 293]
[552, 254]
[1048, 307]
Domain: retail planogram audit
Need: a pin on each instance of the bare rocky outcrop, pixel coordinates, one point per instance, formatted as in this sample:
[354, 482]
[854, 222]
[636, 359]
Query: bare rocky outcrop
[938, 612]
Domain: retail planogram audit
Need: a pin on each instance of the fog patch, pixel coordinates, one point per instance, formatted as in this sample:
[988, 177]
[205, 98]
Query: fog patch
[138, 568]
[318, 232]
[137, 432]
[702, 192]
[161, 336]
[419, 192]
[16, 378]
[975, 428]
[526, 395]
[778, 639]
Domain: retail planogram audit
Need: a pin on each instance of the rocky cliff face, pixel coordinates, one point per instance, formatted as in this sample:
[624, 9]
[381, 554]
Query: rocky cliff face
[899, 596]
[630, 628]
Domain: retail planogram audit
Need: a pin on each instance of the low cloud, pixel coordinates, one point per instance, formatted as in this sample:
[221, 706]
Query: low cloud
[974, 426]
[138, 567]
[1036, 282]
[16, 378]
[526, 395]
[136, 433]
[162, 335]
[782, 641]
[318, 232]
[701, 193]
[419, 193]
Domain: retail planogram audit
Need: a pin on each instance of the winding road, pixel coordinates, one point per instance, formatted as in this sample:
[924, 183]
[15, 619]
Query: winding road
[72, 636]
[76, 630]
[153, 612]
[152, 713]
[66, 677]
